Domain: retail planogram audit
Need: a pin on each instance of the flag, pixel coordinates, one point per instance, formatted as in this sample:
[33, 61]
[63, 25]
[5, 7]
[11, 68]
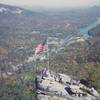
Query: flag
[41, 47]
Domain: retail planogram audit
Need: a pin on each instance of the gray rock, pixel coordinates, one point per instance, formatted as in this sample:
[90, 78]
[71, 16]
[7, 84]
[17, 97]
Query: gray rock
[56, 87]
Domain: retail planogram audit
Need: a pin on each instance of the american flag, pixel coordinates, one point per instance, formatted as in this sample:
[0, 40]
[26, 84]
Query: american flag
[41, 48]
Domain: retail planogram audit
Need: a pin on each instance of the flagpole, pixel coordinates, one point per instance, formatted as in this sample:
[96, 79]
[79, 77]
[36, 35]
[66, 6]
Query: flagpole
[35, 67]
[48, 54]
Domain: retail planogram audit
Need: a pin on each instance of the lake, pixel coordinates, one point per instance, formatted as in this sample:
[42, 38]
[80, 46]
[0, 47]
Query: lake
[84, 31]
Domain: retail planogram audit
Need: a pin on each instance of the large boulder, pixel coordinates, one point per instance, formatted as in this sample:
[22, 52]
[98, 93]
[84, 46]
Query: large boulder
[62, 87]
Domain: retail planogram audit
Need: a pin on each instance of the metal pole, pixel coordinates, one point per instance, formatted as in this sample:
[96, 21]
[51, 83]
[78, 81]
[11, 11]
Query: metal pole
[48, 54]
[35, 64]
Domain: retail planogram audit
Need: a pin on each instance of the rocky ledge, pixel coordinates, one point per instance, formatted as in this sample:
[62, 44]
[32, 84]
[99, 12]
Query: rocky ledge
[52, 86]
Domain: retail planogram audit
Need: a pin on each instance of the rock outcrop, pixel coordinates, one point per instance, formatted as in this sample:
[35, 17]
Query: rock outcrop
[51, 86]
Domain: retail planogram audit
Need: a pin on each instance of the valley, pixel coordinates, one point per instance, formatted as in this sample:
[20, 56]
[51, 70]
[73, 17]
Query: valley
[72, 53]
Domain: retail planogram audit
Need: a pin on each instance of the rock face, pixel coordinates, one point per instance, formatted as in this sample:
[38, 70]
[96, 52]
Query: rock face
[51, 86]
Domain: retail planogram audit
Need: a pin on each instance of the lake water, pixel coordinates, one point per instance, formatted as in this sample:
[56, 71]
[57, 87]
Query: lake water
[85, 30]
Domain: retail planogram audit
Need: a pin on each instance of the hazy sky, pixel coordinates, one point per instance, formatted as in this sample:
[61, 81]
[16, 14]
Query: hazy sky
[52, 3]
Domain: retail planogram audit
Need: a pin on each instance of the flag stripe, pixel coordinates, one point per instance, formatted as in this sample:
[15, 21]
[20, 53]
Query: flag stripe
[41, 48]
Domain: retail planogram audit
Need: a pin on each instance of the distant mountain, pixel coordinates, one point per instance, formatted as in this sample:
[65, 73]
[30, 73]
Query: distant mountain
[8, 9]
[95, 8]
[15, 19]
[94, 11]
[5, 9]
[18, 20]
